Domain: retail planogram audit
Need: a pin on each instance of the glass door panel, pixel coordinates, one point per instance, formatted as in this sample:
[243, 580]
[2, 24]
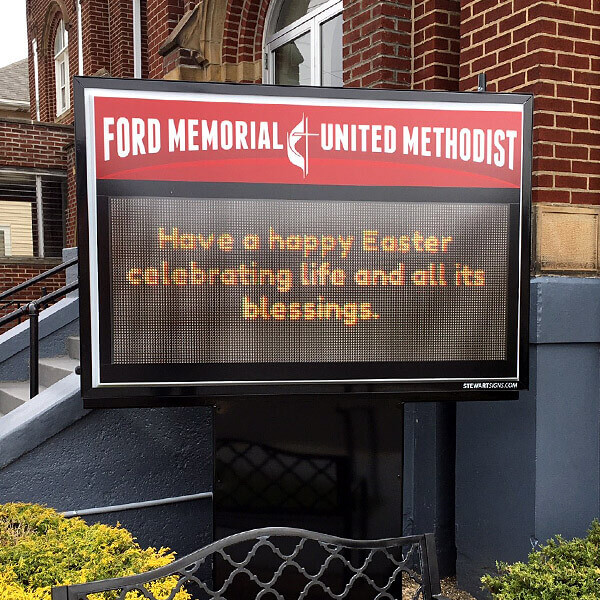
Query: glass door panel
[331, 53]
[292, 62]
[292, 10]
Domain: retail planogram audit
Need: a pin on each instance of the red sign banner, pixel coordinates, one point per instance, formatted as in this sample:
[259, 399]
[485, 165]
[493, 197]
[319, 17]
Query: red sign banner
[365, 145]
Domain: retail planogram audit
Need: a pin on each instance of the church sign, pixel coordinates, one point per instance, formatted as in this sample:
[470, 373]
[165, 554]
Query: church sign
[239, 240]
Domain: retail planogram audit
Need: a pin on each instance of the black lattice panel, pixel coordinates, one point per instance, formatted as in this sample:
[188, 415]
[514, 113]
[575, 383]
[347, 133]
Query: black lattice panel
[254, 477]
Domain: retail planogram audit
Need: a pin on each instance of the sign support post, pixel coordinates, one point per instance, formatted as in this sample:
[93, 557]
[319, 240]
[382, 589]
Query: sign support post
[401, 407]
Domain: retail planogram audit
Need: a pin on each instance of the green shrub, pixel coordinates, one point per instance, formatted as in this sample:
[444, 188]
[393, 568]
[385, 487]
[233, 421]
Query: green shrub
[560, 570]
[39, 549]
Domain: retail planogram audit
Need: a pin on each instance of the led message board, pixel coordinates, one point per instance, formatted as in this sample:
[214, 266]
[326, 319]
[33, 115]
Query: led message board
[239, 239]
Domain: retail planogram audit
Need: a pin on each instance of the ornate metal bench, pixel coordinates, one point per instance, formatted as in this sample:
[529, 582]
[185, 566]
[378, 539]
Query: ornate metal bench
[288, 564]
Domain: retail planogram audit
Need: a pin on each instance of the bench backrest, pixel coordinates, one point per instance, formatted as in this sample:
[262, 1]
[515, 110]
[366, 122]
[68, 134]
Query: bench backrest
[286, 564]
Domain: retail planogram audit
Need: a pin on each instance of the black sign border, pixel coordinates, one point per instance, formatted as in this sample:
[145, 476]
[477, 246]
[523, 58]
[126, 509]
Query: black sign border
[171, 395]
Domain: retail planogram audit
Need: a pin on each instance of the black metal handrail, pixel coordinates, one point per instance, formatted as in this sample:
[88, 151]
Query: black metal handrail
[25, 284]
[351, 561]
[16, 304]
[32, 308]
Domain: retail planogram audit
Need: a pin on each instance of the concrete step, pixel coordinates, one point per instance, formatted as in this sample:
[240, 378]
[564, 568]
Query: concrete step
[73, 347]
[56, 368]
[13, 394]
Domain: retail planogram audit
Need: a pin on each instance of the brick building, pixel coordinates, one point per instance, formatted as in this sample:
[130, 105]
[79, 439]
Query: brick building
[550, 48]
[33, 169]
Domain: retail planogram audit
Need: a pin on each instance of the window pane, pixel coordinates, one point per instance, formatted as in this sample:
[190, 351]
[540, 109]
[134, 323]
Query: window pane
[331, 52]
[2, 244]
[18, 213]
[292, 10]
[16, 219]
[53, 202]
[58, 40]
[292, 62]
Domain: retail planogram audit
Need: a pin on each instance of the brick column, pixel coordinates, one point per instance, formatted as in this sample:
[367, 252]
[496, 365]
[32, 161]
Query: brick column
[162, 17]
[243, 40]
[551, 49]
[436, 45]
[121, 38]
[96, 41]
[377, 39]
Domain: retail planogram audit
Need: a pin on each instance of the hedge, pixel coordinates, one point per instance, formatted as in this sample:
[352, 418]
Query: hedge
[560, 570]
[39, 549]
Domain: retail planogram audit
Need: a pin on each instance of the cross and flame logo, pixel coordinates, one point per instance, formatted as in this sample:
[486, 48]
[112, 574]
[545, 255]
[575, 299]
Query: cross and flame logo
[295, 155]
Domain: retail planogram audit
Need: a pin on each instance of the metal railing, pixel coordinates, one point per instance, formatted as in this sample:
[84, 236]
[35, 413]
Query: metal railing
[25, 284]
[32, 309]
[280, 562]
[17, 303]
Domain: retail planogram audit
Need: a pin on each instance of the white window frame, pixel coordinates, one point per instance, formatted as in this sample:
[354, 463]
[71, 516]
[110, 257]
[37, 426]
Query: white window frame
[137, 39]
[7, 241]
[79, 39]
[36, 79]
[61, 57]
[310, 22]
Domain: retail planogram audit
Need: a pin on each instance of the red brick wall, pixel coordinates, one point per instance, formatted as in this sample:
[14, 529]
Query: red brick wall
[144, 27]
[377, 38]
[243, 32]
[31, 145]
[551, 49]
[45, 146]
[162, 17]
[71, 216]
[96, 41]
[107, 30]
[42, 19]
[121, 37]
[34, 145]
[436, 44]
[15, 272]
[230, 34]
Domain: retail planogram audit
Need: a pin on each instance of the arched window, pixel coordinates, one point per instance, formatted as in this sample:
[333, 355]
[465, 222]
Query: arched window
[303, 43]
[61, 69]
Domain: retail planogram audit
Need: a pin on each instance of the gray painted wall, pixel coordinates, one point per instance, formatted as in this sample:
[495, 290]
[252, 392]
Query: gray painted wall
[530, 469]
[121, 456]
[567, 465]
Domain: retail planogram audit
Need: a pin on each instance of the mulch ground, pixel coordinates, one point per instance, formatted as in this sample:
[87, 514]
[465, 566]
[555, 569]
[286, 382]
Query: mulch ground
[449, 589]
